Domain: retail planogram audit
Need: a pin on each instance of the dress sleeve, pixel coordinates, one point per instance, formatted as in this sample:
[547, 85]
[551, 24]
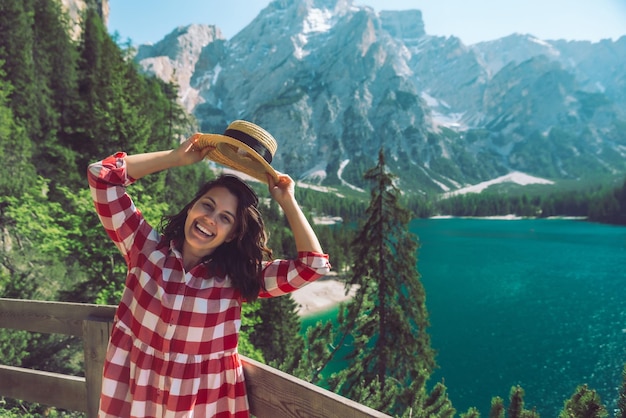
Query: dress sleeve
[285, 276]
[122, 221]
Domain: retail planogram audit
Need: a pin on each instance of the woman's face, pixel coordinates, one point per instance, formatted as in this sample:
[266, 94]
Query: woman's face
[210, 222]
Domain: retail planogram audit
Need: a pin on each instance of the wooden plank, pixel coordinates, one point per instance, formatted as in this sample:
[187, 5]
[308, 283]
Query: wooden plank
[61, 391]
[275, 394]
[96, 333]
[50, 317]
[271, 392]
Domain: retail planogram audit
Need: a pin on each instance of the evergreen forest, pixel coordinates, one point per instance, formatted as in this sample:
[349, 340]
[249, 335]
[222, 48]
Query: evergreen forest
[67, 102]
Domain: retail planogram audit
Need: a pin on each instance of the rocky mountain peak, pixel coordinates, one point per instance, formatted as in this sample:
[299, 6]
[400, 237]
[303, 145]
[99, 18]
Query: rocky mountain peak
[174, 58]
[335, 82]
[182, 43]
[515, 48]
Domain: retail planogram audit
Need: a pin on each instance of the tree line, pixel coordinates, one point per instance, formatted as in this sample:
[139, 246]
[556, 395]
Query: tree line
[597, 203]
[65, 103]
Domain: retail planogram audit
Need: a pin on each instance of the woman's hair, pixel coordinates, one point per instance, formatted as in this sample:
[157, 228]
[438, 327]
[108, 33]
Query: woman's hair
[241, 258]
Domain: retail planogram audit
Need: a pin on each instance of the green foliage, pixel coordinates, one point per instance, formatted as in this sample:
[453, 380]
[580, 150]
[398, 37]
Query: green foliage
[278, 333]
[48, 224]
[16, 50]
[17, 170]
[497, 408]
[14, 346]
[584, 403]
[10, 408]
[317, 354]
[516, 405]
[119, 109]
[435, 404]
[337, 241]
[250, 319]
[471, 413]
[38, 236]
[609, 206]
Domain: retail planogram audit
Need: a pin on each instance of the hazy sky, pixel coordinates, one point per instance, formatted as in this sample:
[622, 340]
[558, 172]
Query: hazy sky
[145, 21]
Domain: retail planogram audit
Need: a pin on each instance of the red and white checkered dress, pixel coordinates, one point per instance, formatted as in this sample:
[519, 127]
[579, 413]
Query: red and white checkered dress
[173, 349]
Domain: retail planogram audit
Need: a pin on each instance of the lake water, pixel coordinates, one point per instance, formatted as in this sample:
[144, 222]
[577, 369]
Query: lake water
[539, 303]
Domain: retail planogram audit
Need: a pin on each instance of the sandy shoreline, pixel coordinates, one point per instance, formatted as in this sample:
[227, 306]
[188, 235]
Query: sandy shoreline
[321, 295]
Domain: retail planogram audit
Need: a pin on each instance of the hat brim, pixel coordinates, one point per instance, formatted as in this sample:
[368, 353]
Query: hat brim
[234, 154]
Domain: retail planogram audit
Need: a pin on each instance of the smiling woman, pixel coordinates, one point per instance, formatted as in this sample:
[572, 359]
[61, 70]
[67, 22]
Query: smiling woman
[174, 345]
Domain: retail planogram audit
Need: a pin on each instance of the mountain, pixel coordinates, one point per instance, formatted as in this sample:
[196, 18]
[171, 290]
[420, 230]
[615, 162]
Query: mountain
[75, 9]
[334, 82]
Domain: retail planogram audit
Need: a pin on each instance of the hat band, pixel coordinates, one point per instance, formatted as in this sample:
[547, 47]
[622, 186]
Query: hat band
[252, 142]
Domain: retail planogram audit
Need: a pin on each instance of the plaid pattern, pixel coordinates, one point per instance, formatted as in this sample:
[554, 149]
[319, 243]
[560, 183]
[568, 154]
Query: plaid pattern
[173, 349]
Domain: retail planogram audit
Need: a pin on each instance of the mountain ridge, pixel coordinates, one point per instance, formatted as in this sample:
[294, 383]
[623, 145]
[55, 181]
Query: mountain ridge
[334, 82]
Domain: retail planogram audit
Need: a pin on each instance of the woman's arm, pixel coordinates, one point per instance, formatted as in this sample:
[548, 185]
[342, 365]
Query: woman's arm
[283, 192]
[140, 165]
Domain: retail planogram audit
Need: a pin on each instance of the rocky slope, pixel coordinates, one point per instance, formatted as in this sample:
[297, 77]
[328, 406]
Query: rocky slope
[74, 9]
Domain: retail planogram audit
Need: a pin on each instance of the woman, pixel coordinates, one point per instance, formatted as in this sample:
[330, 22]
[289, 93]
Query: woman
[173, 348]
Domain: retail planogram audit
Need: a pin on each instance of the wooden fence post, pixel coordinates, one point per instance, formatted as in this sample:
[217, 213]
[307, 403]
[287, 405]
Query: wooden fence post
[96, 333]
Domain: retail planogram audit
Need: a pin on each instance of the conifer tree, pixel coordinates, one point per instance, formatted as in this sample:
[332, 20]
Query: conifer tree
[278, 334]
[317, 353]
[111, 117]
[55, 59]
[497, 408]
[516, 402]
[584, 403]
[16, 50]
[472, 412]
[516, 405]
[435, 404]
[16, 172]
[387, 318]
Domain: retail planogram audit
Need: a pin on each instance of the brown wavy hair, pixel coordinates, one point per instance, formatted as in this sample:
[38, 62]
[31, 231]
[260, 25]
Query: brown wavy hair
[241, 258]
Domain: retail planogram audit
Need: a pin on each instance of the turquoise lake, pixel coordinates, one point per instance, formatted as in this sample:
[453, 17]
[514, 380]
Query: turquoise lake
[539, 303]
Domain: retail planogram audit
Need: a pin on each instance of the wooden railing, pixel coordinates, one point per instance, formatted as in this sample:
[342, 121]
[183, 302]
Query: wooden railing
[271, 392]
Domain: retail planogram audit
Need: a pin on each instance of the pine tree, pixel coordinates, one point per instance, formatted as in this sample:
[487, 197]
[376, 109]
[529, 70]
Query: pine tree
[278, 333]
[516, 402]
[584, 403]
[435, 404]
[387, 318]
[472, 412]
[55, 59]
[516, 405]
[16, 50]
[16, 172]
[111, 92]
[317, 353]
[497, 408]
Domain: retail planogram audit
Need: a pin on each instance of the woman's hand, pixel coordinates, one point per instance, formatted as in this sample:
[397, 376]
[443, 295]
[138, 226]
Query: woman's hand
[189, 153]
[283, 190]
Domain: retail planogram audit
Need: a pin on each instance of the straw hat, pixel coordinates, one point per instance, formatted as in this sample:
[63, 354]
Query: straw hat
[244, 147]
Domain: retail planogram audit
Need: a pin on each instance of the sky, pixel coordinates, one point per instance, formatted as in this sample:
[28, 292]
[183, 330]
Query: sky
[148, 21]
